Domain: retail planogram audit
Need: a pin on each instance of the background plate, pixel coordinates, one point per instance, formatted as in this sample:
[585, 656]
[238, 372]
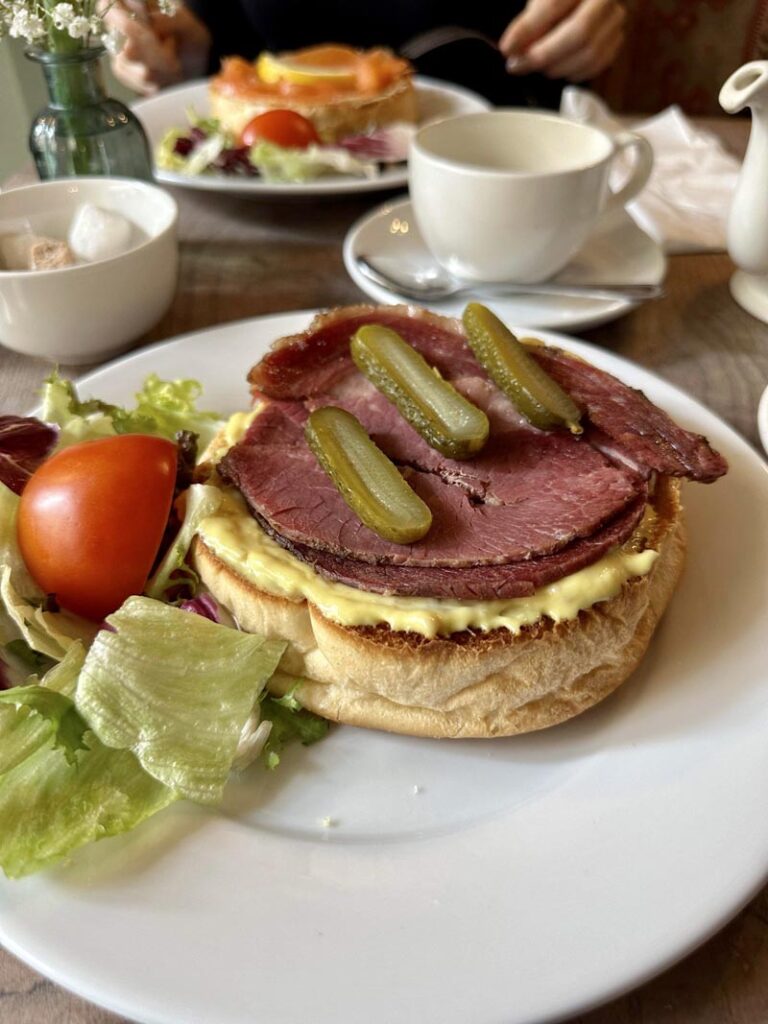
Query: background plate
[526, 879]
[169, 110]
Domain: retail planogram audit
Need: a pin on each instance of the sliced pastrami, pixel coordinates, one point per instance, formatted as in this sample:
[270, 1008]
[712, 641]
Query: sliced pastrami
[318, 361]
[638, 428]
[313, 361]
[474, 582]
[527, 494]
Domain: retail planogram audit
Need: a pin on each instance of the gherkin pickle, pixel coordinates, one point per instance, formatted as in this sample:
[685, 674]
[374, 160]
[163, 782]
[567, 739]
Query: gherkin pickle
[366, 479]
[433, 407]
[534, 393]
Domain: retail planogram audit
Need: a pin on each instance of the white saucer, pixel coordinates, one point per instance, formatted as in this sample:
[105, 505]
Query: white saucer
[762, 419]
[617, 253]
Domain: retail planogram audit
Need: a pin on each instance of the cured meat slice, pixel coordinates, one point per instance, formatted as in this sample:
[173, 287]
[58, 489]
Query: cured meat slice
[531, 508]
[312, 362]
[641, 434]
[24, 444]
[476, 582]
[528, 493]
[636, 426]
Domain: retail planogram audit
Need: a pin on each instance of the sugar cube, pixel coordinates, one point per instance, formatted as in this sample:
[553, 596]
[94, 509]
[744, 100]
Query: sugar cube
[99, 234]
[33, 252]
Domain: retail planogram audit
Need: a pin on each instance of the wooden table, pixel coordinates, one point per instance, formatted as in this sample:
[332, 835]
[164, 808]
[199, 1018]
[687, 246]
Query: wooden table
[242, 259]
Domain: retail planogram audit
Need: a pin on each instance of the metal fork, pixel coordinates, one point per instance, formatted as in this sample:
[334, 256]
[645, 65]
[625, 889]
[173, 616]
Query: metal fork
[434, 38]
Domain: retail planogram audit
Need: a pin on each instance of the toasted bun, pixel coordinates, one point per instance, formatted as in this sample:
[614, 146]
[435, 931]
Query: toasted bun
[334, 118]
[466, 684]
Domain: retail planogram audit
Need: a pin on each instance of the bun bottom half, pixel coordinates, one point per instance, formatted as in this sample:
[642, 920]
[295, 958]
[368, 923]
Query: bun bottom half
[467, 685]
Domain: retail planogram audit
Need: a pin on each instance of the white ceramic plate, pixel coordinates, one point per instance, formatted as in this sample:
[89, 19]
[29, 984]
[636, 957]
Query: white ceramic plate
[169, 110]
[617, 253]
[527, 879]
[762, 419]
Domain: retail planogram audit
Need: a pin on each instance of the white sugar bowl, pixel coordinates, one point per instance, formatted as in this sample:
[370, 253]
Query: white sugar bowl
[90, 311]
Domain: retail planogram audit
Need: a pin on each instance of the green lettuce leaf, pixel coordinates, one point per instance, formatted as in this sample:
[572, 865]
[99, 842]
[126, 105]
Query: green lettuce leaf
[49, 807]
[31, 659]
[177, 690]
[166, 157]
[201, 501]
[163, 408]
[290, 722]
[40, 710]
[59, 786]
[279, 163]
[209, 125]
[58, 711]
[171, 406]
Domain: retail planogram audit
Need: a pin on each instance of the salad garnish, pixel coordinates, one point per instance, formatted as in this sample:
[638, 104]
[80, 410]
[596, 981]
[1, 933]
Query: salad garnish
[103, 724]
[205, 147]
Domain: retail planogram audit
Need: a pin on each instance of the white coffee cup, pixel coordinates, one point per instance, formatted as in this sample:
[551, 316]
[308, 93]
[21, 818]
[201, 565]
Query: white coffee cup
[511, 195]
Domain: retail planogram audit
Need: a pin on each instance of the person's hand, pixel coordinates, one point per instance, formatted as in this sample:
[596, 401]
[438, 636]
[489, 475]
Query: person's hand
[157, 50]
[573, 39]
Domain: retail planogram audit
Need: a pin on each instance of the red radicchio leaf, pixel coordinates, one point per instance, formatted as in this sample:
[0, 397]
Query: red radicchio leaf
[205, 605]
[385, 145]
[24, 444]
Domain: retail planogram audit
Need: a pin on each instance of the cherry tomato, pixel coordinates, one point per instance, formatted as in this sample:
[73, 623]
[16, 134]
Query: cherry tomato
[283, 127]
[91, 520]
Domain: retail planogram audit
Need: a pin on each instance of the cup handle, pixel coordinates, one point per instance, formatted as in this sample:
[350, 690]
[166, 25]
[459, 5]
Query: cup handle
[641, 170]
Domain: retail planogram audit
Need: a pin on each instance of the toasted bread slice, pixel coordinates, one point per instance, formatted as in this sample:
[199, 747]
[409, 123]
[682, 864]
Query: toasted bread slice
[467, 684]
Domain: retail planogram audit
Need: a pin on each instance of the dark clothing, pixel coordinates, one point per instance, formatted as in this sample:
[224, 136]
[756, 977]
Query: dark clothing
[245, 27]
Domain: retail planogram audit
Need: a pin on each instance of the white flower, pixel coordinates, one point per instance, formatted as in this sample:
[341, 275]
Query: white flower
[62, 15]
[25, 25]
[79, 27]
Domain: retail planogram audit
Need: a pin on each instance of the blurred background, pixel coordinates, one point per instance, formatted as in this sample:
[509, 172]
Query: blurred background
[677, 51]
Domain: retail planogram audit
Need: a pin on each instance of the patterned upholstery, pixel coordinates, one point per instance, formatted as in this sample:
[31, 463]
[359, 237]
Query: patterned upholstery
[681, 51]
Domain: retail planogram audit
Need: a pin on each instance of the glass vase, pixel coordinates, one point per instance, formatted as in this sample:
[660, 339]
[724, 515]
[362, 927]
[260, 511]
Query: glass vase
[82, 131]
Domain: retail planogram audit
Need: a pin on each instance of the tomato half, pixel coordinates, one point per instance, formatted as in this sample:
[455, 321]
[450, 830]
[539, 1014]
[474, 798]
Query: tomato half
[283, 127]
[91, 520]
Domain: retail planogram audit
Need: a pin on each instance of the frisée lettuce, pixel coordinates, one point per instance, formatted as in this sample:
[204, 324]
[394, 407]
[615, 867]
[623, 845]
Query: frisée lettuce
[163, 408]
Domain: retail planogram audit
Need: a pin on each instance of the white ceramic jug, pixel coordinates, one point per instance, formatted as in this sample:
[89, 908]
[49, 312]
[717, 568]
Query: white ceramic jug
[748, 219]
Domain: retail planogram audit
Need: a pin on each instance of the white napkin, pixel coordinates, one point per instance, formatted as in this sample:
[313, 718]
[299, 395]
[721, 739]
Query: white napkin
[685, 204]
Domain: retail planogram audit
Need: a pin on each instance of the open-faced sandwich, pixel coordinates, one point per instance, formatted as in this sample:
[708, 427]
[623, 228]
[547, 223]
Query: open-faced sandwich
[458, 535]
[291, 117]
[341, 90]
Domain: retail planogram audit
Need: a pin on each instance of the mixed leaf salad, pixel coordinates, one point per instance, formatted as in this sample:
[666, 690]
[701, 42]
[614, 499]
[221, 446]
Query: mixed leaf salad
[279, 146]
[103, 723]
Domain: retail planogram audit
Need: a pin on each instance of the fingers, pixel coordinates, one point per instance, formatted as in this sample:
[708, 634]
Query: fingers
[538, 17]
[145, 62]
[580, 46]
[133, 75]
[592, 59]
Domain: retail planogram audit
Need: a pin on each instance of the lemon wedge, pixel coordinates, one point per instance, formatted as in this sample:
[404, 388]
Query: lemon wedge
[318, 65]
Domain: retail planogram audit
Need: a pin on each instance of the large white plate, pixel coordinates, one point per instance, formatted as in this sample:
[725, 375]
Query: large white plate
[617, 252]
[169, 110]
[527, 879]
